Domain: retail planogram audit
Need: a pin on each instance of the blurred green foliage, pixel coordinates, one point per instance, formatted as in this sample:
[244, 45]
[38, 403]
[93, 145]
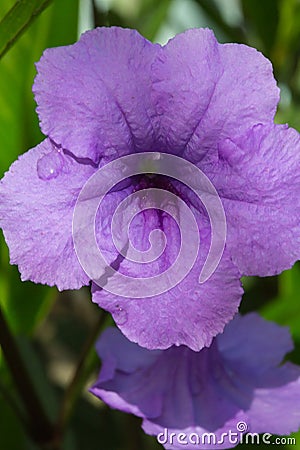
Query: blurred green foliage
[51, 328]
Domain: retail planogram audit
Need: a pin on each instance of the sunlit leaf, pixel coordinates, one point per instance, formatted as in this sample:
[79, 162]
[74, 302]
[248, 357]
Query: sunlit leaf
[17, 20]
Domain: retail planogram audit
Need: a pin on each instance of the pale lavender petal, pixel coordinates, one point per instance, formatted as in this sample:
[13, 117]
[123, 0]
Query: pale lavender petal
[205, 91]
[258, 178]
[36, 215]
[188, 314]
[257, 353]
[94, 96]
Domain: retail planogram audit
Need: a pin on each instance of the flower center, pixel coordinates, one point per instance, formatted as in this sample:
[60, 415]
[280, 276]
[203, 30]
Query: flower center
[147, 181]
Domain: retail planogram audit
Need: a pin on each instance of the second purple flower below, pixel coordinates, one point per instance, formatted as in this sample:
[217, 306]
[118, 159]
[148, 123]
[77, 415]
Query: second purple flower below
[206, 399]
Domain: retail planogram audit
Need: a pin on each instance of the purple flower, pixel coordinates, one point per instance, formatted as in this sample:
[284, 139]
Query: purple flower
[113, 93]
[235, 385]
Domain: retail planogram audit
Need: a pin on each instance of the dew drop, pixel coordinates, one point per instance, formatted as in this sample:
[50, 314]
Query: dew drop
[49, 166]
[120, 316]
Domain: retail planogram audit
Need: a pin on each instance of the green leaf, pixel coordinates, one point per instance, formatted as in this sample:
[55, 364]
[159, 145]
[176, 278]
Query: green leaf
[287, 47]
[25, 304]
[15, 22]
[152, 17]
[11, 431]
[296, 436]
[19, 128]
[263, 17]
[147, 16]
[234, 34]
[37, 371]
[285, 309]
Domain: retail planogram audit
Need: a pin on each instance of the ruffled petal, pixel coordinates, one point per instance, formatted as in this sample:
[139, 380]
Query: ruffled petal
[258, 178]
[182, 313]
[258, 354]
[36, 216]
[205, 92]
[212, 391]
[190, 313]
[94, 96]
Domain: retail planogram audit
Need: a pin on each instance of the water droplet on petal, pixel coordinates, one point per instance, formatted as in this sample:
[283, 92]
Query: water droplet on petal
[120, 316]
[49, 166]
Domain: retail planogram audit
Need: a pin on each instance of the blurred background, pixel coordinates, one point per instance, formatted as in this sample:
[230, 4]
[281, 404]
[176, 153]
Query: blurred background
[55, 331]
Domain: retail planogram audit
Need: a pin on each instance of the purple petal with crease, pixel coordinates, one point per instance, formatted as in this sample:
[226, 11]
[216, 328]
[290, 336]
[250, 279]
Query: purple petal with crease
[210, 391]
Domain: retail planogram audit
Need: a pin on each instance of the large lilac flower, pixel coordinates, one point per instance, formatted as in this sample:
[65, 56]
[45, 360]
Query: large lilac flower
[113, 93]
[236, 385]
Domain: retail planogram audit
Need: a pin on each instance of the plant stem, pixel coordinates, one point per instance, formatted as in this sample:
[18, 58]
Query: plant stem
[13, 405]
[85, 365]
[39, 425]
